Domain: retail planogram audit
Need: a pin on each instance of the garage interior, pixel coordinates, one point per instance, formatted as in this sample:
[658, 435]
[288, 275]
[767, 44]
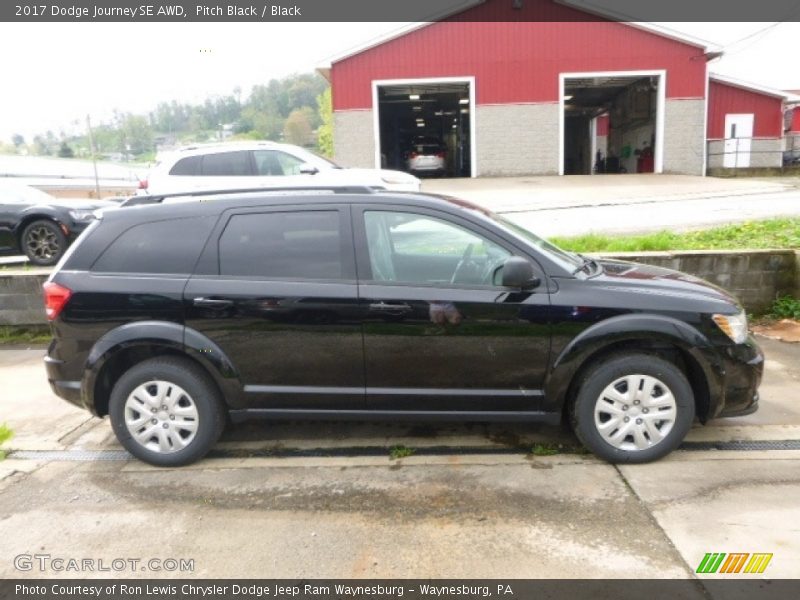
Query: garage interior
[431, 112]
[628, 105]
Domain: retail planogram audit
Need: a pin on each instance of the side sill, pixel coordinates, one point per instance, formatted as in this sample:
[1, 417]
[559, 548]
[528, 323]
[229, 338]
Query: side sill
[549, 418]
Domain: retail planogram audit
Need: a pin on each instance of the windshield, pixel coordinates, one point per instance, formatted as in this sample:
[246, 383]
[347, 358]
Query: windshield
[568, 260]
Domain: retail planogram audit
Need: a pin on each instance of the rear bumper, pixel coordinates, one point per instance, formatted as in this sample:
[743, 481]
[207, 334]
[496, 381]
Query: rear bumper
[69, 390]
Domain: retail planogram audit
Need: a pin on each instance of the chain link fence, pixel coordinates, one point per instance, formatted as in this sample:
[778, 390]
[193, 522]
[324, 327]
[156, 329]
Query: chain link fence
[755, 153]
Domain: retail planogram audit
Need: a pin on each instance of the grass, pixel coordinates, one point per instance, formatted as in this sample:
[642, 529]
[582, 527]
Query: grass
[769, 233]
[545, 449]
[5, 434]
[24, 335]
[398, 452]
[785, 307]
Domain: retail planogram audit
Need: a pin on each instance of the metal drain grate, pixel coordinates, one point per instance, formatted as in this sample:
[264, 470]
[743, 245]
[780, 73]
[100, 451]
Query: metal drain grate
[378, 451]
[71, 455]
[743, 445]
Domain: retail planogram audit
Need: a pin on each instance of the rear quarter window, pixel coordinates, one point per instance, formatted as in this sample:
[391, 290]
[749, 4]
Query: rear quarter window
[187, 166]
[169, 246]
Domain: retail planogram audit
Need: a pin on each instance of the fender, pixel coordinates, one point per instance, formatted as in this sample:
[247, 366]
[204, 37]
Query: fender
[630, 327]
[164, 334]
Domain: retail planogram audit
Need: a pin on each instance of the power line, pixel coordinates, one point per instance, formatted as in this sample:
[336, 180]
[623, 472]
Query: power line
[755, 34]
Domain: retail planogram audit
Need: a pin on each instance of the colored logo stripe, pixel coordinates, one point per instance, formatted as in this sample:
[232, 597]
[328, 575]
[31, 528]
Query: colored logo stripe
[710, 562]
[758, 562]
[734, 562]
[713, 562]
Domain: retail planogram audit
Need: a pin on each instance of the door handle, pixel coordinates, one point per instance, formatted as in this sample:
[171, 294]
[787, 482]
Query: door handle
[212, 302]
[387, 307]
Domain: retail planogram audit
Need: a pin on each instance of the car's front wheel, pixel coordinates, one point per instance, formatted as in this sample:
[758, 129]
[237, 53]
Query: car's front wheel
[633, 408]
[166, 412]
[43, 242]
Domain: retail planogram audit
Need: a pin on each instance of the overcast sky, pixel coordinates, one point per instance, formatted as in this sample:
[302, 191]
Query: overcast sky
[55, 73]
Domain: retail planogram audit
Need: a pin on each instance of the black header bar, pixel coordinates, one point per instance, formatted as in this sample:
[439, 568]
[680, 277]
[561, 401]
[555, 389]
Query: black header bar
[397, 10]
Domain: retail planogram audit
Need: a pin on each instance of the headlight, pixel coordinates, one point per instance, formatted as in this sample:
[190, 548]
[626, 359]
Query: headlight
[734, 326]
[82, 215]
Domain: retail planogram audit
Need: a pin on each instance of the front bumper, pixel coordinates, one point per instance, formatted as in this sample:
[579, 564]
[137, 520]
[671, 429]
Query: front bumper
[742, 368]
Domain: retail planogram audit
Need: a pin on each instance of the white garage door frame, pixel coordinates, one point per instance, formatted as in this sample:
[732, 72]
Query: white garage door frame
[661, 99]
[376, 124]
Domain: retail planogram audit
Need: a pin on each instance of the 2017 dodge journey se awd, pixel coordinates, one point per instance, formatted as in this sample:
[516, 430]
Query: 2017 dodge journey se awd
[351, 303]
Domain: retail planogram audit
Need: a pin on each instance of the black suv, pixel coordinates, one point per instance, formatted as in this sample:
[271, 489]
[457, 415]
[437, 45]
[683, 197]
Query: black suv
[361, 304]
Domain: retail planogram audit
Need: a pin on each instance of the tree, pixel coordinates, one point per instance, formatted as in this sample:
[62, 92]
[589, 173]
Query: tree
[325, 131]
[297, 129]
[18, 140]
[64, 151]
[267, 124]
[137, 135]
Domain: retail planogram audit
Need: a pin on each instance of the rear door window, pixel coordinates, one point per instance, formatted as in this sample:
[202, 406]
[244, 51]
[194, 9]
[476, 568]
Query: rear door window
[227, 164]
[305, 244]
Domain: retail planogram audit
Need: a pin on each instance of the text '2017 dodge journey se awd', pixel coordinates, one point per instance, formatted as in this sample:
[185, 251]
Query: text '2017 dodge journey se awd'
[359, 304]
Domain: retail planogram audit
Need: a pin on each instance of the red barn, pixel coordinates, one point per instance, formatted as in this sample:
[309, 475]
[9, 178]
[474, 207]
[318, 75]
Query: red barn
[509, 88]
[745, 124]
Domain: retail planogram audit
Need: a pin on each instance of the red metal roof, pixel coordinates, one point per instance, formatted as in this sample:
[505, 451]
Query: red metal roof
[516, 61]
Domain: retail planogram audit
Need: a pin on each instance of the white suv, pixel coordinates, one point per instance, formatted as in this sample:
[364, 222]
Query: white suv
[244, 165]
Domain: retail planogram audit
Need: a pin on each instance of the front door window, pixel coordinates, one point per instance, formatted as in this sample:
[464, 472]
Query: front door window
[418, 249]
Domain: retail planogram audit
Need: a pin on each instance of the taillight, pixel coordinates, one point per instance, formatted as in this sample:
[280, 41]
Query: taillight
[55, 298]
[413, 155]
[143, 184]
[440, 155]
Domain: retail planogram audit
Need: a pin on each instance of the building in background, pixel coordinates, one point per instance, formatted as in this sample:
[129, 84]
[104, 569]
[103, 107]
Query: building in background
[540, 87]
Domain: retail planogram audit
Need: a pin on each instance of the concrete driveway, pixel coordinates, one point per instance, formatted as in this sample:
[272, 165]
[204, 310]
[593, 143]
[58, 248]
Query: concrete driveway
[574, 205]
[315, 500]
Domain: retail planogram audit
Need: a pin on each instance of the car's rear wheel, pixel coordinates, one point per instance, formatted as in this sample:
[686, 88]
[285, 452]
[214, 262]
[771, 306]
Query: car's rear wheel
[633, 408]
[43, 242]
[166, 412]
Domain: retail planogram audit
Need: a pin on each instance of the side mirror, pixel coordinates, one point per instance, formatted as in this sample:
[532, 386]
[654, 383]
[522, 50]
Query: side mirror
[307, 169]
[518, 273]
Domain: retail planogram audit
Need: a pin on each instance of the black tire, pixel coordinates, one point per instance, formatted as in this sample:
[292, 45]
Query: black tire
[595, 382]
[201, 392]
[43, 242]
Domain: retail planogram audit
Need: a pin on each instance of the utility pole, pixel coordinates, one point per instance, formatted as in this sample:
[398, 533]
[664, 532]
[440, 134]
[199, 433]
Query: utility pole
[94, 157]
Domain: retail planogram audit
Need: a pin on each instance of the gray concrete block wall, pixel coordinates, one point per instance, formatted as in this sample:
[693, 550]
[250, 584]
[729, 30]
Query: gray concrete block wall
[517, 139]
[21, 300]
[764, 152]
[353, 138]
[755, 277]
[684, 136]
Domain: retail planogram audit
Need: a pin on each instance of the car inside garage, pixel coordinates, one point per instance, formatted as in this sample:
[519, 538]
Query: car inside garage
[425, 128]
[610, 124]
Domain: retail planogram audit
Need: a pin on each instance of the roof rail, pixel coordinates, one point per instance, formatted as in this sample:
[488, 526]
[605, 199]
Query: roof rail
[334, 189]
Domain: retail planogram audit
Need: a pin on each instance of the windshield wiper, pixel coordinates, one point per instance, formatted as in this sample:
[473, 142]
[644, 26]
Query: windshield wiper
[586, 262]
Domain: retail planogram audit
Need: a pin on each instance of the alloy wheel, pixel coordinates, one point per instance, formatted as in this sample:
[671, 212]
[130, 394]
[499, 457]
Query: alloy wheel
[42, 243]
